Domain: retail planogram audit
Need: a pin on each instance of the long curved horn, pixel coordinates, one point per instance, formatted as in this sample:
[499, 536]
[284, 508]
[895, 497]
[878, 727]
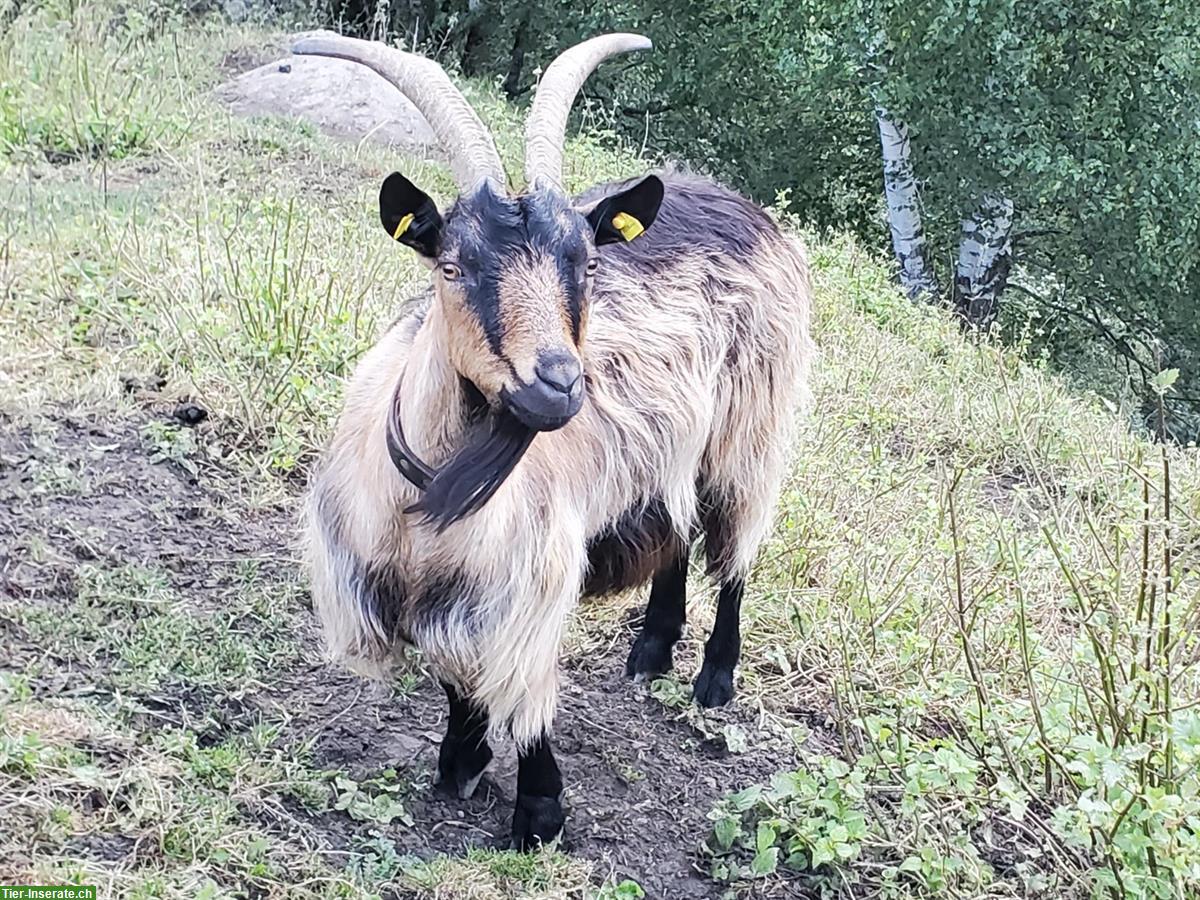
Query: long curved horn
[546, 126]
[462, 135]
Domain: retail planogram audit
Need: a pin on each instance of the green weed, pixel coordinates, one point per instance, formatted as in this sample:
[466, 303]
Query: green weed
[376, 800]
[82, 84]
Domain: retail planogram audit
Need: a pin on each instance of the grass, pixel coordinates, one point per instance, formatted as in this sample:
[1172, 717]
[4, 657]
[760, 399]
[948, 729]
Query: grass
[976, 618]
[133, 618]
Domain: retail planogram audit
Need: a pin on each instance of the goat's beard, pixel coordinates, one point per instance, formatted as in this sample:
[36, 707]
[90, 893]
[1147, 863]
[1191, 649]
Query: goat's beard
[495, 443]
[475, 472]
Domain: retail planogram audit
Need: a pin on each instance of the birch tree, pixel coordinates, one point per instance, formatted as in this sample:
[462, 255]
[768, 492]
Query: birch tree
[904, 208]
[984, 261]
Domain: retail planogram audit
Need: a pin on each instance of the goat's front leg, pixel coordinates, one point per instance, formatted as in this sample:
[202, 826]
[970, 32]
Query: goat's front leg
[538, 817]
[464, 754]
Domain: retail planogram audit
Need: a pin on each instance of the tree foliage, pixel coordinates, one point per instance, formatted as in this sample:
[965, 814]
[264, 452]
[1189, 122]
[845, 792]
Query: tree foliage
[1083, 117]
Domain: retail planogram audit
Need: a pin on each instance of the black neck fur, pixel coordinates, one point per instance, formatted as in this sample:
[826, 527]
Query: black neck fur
[495, 443]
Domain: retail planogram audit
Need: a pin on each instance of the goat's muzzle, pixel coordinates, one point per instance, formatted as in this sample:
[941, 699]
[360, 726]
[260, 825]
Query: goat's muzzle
[553, 397]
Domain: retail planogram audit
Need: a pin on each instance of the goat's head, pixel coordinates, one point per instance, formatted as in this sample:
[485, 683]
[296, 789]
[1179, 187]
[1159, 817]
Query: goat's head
[512, 275]
[512, 272]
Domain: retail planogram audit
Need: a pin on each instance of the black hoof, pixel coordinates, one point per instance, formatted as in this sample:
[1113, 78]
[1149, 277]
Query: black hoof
[461, 765]
[713, 687]
[536, 821]
[651, 655]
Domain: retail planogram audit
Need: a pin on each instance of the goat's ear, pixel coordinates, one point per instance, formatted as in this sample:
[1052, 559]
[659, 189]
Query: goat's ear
[624, 216]
[409, 215]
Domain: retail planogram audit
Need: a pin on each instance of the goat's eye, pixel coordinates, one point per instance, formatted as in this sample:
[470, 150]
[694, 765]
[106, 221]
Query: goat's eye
[451, 272]
[592, 265]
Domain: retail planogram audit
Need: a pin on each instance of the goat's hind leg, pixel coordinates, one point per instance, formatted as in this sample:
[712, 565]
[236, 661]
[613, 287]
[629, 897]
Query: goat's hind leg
[731, 538]
[714, 684]
[666, 613]
[464, 754]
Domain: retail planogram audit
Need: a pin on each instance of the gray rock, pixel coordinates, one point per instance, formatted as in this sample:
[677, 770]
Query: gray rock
[341, 98]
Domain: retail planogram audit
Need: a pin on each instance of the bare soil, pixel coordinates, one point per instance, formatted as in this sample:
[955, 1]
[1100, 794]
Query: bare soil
[640, 780]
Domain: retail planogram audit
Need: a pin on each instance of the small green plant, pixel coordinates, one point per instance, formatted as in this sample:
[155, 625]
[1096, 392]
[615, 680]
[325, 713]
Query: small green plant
[671, 693]
[57, 478]
[802, 820]
[623, 890]
[21, 754]
[675, 695]
[172, 443]
[14, 688]
[374, 860]
[374, 800]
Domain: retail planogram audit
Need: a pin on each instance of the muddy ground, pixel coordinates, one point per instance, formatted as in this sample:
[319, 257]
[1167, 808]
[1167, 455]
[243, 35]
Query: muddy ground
[639, 778]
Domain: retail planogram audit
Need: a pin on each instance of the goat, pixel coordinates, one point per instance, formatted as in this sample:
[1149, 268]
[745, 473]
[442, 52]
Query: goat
[590, 387]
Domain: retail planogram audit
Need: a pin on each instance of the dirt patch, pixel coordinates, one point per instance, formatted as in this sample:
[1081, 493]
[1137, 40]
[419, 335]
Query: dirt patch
[640, 780]
[1018, 494]
[78, 492]
[90, 491]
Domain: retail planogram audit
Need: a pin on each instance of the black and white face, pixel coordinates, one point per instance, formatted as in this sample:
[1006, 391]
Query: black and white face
[513, 276]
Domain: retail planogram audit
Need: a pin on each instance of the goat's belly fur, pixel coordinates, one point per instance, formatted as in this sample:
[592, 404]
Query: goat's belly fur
[692, 393]
[631, 550]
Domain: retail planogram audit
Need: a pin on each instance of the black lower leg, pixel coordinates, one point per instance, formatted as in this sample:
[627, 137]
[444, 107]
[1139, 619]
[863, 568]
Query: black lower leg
[465, 753]
[538, 817]
[714, 684]
[663, 624]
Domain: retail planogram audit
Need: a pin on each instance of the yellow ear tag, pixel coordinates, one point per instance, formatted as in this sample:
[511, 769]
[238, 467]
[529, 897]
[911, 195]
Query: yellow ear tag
[627, 225]
[402, 227]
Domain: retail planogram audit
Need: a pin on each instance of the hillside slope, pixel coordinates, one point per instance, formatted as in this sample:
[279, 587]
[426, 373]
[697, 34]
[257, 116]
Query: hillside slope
[971, 656]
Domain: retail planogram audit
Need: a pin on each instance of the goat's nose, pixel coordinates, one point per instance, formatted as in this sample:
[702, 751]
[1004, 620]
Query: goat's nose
[560, 371]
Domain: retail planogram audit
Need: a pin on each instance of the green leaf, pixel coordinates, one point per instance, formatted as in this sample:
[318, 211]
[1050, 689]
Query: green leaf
[765, 837]
[911, 864]
[765, 862]
[735, 738]
[743, 800]
[1163, 381]
[727, 830]
[796, 860]
[835, 769]
[627, 890]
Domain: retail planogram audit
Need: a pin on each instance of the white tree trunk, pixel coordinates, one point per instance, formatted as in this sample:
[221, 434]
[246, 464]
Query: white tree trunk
[984, 260]
[904, 211]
